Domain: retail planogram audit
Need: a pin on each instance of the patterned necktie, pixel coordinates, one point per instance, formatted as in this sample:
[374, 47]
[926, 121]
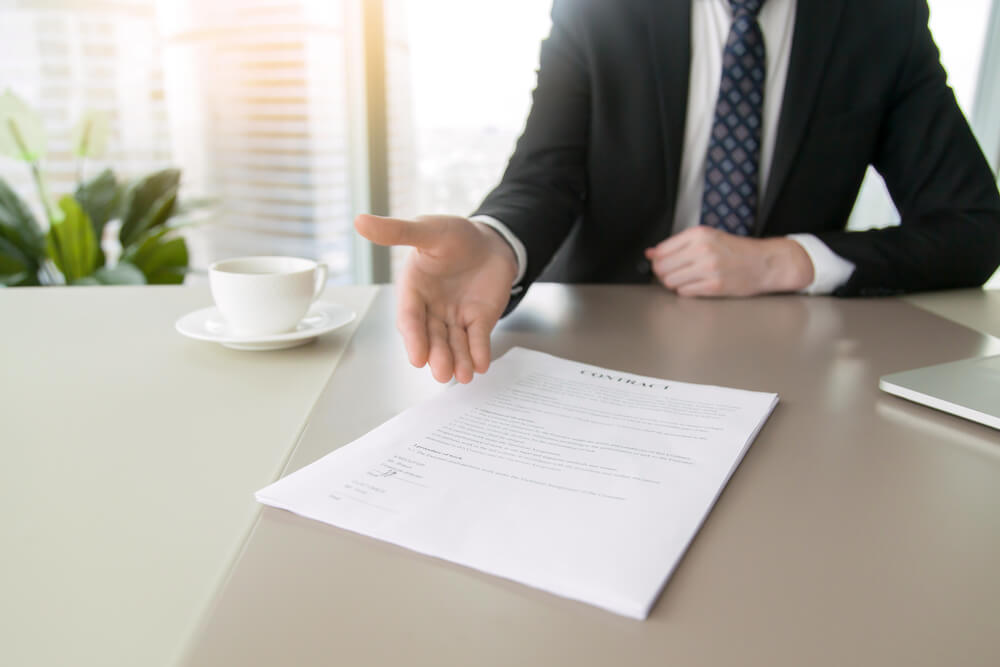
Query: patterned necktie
[732, 166]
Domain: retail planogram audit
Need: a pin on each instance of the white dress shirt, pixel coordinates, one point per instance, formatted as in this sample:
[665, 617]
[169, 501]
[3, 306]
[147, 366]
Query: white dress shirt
[710, 24]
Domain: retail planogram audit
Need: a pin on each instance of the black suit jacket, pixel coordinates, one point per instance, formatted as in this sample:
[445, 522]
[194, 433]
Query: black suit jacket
[593, 180]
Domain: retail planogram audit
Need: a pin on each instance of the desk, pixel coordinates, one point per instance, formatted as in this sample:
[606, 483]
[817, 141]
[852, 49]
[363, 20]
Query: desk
[976, 309]
[860, 529]
[130, 458]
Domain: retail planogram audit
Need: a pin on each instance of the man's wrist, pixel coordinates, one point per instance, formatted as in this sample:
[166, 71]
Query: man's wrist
[830, 270]
[500, 246]
[789, 267]
[520, 252]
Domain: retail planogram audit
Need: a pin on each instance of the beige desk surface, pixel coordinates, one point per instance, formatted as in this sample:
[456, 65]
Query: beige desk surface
[130, 458]
[859, 530]
[974, 308]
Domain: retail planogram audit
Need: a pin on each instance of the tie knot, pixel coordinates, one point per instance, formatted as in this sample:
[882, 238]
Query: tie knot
[746, 6]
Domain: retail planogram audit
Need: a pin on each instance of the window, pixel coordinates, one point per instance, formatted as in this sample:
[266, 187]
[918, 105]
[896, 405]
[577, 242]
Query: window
[65, 61]
[252, 99]
[261, 103]
[258, 102]
[472, 68]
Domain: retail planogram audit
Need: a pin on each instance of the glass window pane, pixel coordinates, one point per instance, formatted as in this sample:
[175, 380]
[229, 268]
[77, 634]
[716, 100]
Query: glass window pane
[251, 99]
[64, 59]
[258, 97]
[471, 68]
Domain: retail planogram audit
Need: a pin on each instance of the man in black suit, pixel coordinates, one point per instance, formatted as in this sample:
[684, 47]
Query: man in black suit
[634, 166]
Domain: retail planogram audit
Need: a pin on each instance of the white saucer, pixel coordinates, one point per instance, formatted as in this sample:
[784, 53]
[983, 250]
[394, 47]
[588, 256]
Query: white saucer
[207, 324]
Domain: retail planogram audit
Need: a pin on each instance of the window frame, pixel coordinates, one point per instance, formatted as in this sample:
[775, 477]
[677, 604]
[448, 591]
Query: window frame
[986, 108]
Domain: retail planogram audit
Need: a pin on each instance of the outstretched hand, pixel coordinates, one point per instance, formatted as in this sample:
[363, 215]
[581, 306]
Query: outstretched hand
[453, 289]
[703, 261]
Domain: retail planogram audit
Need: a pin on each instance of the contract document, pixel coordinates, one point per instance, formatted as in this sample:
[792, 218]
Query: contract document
[582, 481]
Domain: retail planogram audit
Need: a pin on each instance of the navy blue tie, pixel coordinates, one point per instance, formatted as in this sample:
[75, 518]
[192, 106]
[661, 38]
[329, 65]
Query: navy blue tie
[732, 168]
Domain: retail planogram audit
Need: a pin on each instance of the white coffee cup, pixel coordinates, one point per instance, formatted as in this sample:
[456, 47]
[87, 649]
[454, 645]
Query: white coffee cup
[265, 295]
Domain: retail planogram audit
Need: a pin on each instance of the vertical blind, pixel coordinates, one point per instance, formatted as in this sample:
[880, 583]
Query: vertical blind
[258, 99]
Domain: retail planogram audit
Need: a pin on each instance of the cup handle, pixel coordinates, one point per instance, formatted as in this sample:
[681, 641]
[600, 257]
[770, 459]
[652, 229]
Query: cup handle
[321, 272]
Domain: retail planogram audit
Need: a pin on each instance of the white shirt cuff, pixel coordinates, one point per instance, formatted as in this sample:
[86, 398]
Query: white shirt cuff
[830, 270]
[515, 243]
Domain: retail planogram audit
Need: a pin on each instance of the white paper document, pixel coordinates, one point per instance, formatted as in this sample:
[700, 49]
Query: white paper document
[582, 481]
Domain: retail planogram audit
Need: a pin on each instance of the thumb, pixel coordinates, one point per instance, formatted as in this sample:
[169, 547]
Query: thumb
[395, 231]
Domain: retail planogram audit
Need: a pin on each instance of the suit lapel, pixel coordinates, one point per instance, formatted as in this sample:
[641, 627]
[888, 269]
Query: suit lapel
[815, 28]
[670, 39]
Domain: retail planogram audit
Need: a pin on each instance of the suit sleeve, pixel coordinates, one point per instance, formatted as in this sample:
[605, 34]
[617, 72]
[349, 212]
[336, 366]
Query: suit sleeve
[543, 190]
[940, 182]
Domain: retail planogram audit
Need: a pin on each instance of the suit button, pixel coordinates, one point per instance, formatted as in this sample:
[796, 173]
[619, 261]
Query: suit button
[643, 268]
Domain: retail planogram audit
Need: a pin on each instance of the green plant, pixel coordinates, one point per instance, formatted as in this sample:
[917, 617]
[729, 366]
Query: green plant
[69, 251]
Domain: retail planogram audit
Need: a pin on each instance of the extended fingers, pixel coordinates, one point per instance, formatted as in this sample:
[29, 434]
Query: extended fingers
[411, 320]
[459, 342]
[440, 358]
[453, 350]
[479, 344]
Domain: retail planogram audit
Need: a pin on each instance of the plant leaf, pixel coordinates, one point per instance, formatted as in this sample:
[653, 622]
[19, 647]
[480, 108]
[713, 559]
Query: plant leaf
[19, 226]
[22, 135]
[90, 134]
[15, 268]
[100, 198]
[71, 242]
[123, 273]
[162, 260]
[196, 204]
[155, 217]
[148, 204]
[169, 263]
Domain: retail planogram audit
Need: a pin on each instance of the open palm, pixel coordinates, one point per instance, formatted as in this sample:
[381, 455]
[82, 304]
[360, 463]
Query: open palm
[452, 290]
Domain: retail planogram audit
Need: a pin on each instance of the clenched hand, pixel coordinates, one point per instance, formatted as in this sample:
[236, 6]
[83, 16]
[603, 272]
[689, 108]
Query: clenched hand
[703, 261]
